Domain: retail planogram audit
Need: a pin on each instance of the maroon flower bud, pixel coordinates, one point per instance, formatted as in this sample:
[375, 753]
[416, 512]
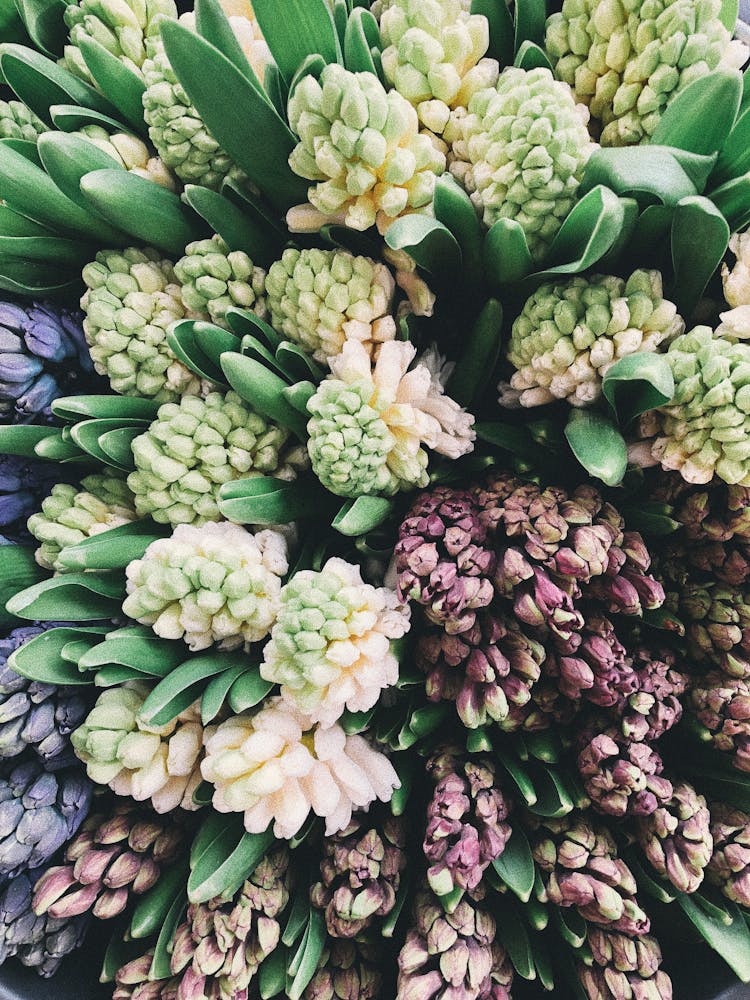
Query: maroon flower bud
[348, 970]
[132, 982]
[722, 705]
[729, 867]
[623, 968]
[621, 777]
[676, 838]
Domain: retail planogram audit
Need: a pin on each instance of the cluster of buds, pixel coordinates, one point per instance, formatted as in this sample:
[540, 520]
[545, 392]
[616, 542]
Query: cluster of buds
[623, 967]
[276, 767]
[360, 873]
[331, 646]
[348, 970]
[19, 122]
[130, 153]
[113, 858]
[433, 55]
[361, 146]
[626, 62]
[568, 335]
[621, 776]
[133, 981]
[216, 583]
[467, 826]
[214, 278]
[322, 298]
[35, 715]
[736, 280]
[729, 867]
[40, 810]
[221, 944]
[70, 514]
[43, 355]
[24, 483]
[456, 954]
[721, 704]
[132, 299]
[156, 763]
[193, 448]
[370, 425]
[676, 838]
[520, 150]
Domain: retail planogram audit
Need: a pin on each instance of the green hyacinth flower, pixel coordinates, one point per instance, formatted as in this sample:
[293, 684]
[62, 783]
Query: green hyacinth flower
[213, 279]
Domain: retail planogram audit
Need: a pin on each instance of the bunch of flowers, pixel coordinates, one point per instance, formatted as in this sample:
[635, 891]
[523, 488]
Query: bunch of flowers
[325, 672]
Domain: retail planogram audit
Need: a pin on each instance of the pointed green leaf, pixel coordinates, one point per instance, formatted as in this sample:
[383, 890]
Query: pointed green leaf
[553, 798]
[73, 408]
[212, 24]
[570, 924]
[361, 35]
[312, 949]
[502, 28]
[636, 383]
[512, 932]
[532, 56]
[13, 224]
[43, 19]
[478, 361]
[299, 395]
[161, 221]
[598, 445]
[223, 96]
[115, 548]
[589, 232]
[297, 363]
[272, 974]
[700, 237]
[357, 517]
[59, 448]
[86, 435]
[152, 908]
[453, 207]
[733, 201]
[217, 689]
[207, 879]
[52, 250]
[68, 158]
[646, 173]
[183, 341]
[263, 390]
[161, 966]
[245, 323]
[701, 116]
[135, 647]
[314, 32]
[239, 231]
[734, 156]
[507, 258]
[37, 280]
[122, 85]
[515, 866]
[265, 500]
[18, 569]
[74, 597]
[40, 659]
[731, 942]
[428, 242]
[183, 684]
[531, 16]
[248, 690]
[22, 439]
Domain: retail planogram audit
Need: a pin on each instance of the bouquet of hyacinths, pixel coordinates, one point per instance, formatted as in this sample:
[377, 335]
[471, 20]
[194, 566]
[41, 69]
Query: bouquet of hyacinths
[375, 489]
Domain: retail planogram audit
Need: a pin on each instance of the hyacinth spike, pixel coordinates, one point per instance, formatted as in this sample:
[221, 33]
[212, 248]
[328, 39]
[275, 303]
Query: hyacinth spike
[677, 839]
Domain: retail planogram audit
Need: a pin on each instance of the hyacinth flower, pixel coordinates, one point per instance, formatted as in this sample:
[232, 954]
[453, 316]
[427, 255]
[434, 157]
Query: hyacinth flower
[19, 122]
[113, 858]
[33, 715]
[370, 425]
[43, 355]
[322, 298]
[130, 153]
[628, 63]
[331, 644]
[276, 767]
[159, 764]
[24, 483]
[434, 56]
[219, 947]
[569, 335]
[360, 873]
[38, 941]
[717, 622]
[519, 148]
[214, 584]
[456, 954]
[677, 839]
[194, 447]
[736, 280]
[729, 867]
[361, 147]
[70, 514]
[347, 969]
[132, 297]
[467, 826]
[175, 127]
[654, 707]
[214, 278]
[721, 705]
[621, 776]
[39, 811]
[133, 982]
[623, 966]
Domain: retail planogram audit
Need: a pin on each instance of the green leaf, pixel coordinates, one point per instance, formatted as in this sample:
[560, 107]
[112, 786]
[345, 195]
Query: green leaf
[161, 966]
[729, 13]
[272, 974]
[136, 647]
[59, 448]
[37, 280]
[511, 930]
[701, 116]
[515, 866]
[263, 390]
[502, 29]
[532, 56]
[206, 882]
[297, 363]
[182, 338]
[30, 191]
[40, 659]
[647, 173]
[74, 597]
[734, 156]
[266, 500]
[52, 250]
[183, 685]
[531, 16]
[598, 445]
[589, 231]
[18, 569]
[39, 83]
[223, 96]
[308, 956]
[73, 408]
[114, 548]
[733, 201]
[431, 244]
[731, 942]
[700, 237]
[68, 158]
[361, 35]
[87, 433]
[118, 81]
[314, 32]
[13, 224]
[507, 258]
[478, 361]
[357, 517]
[212, 24]
[217, 690]
[570, 925]
[152, 908]
[518, 775]
[239, 231]
[453, 207]
[248, 690]
[636, 383]
[43, 19]
[244, 323]
[161, 221]
[22, 439]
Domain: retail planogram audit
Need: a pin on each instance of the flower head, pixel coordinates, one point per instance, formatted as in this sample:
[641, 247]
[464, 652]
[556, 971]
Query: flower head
[331, 645]
[722, 704]
[214, 584]
[19, 122]
[729, 867]
[370, 426]
[621, 776]
[623, 966]
[275, 766]
[676, 838]
[214, 278]
[736, 280]
[149, 763]
[348, 970]
[362, 148]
